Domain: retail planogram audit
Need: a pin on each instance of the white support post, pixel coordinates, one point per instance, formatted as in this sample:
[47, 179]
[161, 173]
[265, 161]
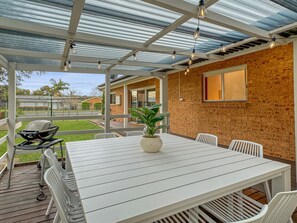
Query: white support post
[164, 98]
[107, 102]
[126, 105]
[295, 97]
[12, 112]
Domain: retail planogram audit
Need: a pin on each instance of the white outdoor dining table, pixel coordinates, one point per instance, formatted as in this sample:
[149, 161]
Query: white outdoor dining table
[118, 182]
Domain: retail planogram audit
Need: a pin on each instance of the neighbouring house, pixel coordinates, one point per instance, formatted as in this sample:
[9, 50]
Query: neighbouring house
[94, 103]
[33, 102]
[245, 97]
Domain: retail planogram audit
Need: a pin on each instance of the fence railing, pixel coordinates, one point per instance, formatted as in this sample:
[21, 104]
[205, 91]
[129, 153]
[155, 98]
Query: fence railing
[3, 158]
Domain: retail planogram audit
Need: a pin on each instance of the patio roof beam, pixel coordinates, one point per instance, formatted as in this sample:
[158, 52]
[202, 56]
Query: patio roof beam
[52, 68]
[17, 25]
[3, 62]
[77, 9]
[187, 8]
[157, 36]
[35, 54]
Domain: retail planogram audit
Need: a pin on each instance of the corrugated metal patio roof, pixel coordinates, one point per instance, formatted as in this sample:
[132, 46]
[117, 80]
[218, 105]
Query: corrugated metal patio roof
[111, 31]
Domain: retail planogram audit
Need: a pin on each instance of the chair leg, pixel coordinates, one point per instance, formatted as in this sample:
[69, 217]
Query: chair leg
[10, 169]
[49, 207]
[267, 191]
[62, 156]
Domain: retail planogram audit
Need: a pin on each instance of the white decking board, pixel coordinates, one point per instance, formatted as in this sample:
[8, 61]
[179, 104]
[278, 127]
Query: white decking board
[120, 183]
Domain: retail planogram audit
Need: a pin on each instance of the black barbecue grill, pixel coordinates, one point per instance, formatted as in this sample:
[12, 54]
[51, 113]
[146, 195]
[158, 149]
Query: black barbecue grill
[39, 135]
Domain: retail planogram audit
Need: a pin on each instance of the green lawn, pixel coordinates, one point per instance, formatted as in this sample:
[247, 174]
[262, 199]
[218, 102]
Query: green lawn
[63, 126]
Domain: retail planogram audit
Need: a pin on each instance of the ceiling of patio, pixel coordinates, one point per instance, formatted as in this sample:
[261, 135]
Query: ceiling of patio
[38, 32]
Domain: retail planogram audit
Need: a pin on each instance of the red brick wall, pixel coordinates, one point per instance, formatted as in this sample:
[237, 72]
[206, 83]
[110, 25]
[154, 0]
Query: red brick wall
[267, 117]
[119, 109]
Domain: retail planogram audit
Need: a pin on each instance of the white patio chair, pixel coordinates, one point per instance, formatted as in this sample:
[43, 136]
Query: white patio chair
[67, 177]
[134, 133]
[280, 208]
[253, 149]
[207, 139]
[68, 205]
[195, 215]
[105, 135]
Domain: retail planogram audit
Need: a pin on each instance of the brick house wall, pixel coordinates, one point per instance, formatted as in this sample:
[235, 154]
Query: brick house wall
[267, 117]
[119, 91]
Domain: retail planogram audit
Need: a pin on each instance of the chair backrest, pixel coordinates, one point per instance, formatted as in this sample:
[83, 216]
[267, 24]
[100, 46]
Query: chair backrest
[247, 147]
[281, 207]
[52, 160]
[63, 198]
[134, 133]
[105, 135]
[207, 139]
[257, 218]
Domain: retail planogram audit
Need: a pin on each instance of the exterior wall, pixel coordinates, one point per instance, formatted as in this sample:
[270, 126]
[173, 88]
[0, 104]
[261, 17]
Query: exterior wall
[118, 109]
[267, 117]
[119, 91]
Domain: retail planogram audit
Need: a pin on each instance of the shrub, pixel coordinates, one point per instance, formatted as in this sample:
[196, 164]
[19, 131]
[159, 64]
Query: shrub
[85, 106]
[97, 106]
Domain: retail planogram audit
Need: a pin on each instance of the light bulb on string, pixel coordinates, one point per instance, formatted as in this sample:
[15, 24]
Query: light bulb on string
[223, 48]
[188, 69]
[99, 65]
[196, 33]
[193, 54]
[65, 66]
[173, 55]
[190, 61]
[69, 64]
[72, 45]
[186, 73]
[201, 9]
[134, 56]
[272, 43]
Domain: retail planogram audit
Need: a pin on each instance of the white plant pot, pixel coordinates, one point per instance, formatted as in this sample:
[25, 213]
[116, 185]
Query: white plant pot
[151, 145]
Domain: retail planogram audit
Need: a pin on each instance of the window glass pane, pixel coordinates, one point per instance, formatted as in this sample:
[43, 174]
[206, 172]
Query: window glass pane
[112, 98]
[234, 85]
[213, 87]
[151, 97]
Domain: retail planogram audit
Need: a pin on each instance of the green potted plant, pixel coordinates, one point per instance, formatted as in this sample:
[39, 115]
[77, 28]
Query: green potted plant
[149, 117]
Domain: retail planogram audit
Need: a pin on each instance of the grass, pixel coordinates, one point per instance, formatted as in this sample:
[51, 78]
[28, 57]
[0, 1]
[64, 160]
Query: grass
[63, 126]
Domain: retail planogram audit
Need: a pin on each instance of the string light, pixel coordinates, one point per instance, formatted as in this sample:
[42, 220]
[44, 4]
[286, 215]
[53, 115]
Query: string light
[134, 56]
[223, 48]
[188, 69]
[65, 66]
[196, 33]
[99, 65]
[186, 73]
[201, 9]
[69, 64]
[193, 54]
[72, 45]
[173, 55]
[272, 43]
[190, 62]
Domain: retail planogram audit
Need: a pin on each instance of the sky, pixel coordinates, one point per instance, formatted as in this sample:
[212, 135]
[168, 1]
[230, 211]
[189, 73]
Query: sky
[84, 83]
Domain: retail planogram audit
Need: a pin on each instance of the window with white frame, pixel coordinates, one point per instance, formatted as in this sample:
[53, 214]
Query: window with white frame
[112, 98]
[225, 84]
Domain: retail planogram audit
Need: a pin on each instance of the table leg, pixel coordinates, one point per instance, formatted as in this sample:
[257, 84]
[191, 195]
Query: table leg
[68, 167]
[282, 183]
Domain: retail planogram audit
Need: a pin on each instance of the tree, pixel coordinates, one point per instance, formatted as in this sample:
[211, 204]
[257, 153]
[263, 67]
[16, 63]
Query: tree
[96, 92]
[20, 76]
[56, 88]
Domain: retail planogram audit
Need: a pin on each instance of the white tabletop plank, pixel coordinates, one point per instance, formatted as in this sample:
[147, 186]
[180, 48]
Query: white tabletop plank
[118, 182]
